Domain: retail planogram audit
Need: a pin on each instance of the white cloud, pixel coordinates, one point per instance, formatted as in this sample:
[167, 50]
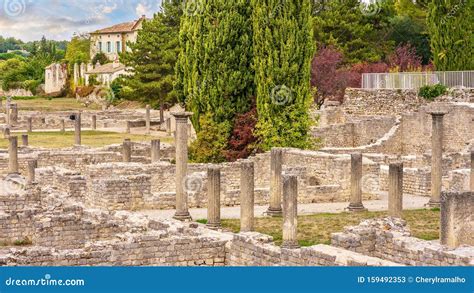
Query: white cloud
[141, 9]
[109, 9]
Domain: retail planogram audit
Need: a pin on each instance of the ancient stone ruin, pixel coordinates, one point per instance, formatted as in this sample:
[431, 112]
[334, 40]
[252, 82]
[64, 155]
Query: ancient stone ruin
[109, 206]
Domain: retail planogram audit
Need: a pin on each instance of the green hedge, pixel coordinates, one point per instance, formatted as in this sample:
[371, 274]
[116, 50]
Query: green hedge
[431, 92]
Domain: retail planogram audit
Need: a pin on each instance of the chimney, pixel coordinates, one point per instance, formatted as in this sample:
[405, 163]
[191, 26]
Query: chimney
[116, 63]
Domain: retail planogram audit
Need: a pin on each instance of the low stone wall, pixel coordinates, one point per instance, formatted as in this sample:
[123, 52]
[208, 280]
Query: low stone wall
[104, 119]
[162, 244]
[255, 249]
[415, 181]
[457, 218]
[390, 239]
[355, 133]
[362, 102]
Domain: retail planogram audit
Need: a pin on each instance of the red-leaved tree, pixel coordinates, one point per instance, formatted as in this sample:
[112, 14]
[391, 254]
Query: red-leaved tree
[355, 73]
[327, 76]
[242, 140]
[405, 59]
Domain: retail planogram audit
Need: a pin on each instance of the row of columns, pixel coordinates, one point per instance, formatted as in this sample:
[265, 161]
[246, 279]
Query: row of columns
[13, 166]
[395, 187]
[155, 150]
[288, 188]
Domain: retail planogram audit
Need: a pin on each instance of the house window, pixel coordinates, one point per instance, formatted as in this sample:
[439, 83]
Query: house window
[100, 46]
[109, 47]
[119, 47]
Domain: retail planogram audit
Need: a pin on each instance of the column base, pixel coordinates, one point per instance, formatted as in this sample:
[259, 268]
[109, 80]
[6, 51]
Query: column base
[272, 212]
[356, 208]
[433, 204]
[184, 217]
[290, 245]
[213, 226]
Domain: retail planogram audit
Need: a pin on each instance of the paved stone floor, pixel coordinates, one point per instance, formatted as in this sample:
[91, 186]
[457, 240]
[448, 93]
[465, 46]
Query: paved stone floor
[409, 202]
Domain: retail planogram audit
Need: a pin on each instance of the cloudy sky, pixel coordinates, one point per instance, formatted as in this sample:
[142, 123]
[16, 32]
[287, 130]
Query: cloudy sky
[60, 19]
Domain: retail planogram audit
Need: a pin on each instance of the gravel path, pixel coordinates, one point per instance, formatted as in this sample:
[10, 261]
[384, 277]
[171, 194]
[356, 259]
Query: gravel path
[409, 202]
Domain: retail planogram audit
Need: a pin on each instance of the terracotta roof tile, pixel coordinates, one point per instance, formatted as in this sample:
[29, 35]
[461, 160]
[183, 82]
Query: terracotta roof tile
[119, 28]
[106, 68]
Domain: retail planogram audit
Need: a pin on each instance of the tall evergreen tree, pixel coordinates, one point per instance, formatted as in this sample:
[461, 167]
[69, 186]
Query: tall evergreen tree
[450, 26]
[215, 64]
[215, 76]
[283, 48]
[152, 59]
[358, 31]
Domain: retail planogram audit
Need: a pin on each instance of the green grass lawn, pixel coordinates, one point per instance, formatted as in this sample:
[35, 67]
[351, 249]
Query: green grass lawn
[89, 138]
[317, 229]
[52, 105]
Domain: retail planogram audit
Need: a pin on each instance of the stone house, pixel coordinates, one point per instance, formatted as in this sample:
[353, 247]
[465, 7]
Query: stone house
[106, 73]
[113, 40]
[55, 78]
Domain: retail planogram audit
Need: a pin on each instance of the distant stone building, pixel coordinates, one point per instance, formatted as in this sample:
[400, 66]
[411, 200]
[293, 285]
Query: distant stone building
[55, 78]
[106, 73]
[113, 40]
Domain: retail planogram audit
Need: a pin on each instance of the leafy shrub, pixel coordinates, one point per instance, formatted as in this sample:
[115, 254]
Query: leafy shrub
[430, 92]
[242, 140]
[101, 58]
[405, 59]
[93, 80]
[84, 91]
[211, 141]
[327, 76]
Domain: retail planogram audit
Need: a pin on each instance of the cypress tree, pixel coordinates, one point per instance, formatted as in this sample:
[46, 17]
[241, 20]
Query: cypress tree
[215, 77]
[283, 49]
[152, 59]
[450, 27]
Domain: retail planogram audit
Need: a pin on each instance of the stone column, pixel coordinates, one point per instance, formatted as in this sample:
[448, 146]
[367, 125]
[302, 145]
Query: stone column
[32, 165]
[148, 119]
[168, 126]
[77, 130]
[436, 157]
[127, 151]
[155, 150]
[214, 197]
[94, 122]
[247, 196]
[356, 184]
[162, 112]
[395, 190]
[129, 127]
[7, 113]
[76, 74]
[472, 170]
[290, 212]
[455, 226]
[275, 208]
[24, 140]
[63, 125]
[13, 155]
[181, 142]
[6, 132]
[29, 124]
[14, 114]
